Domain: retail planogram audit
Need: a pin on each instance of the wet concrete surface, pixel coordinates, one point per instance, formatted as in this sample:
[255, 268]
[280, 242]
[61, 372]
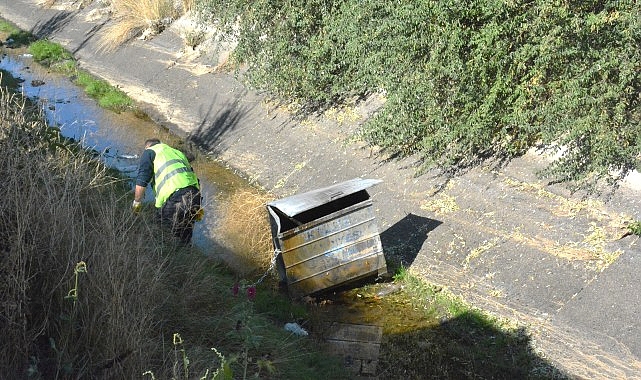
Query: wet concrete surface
[501, 238]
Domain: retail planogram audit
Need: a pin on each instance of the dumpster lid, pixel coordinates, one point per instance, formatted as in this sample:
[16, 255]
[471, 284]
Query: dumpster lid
[299, 203]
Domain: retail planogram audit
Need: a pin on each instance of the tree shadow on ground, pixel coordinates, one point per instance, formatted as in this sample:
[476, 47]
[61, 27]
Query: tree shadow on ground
[93, 32]
[403, 241]
[218, 122]
[45, 29]
[55, 24]
[467, 346]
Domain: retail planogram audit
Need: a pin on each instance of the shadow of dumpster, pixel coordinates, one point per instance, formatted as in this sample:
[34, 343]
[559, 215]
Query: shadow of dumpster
[403, 241]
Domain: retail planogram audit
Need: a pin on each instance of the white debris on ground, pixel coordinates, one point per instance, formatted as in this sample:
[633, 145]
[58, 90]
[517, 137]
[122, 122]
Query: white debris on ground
[295, 329]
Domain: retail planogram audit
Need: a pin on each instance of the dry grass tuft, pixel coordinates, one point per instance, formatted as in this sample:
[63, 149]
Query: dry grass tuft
[244, 227]
[135, 18]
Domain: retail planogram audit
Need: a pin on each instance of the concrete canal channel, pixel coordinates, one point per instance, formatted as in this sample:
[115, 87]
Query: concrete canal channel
[481, 249]
[117, 139]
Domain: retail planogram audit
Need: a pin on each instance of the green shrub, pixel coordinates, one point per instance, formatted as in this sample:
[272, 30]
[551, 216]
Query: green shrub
[465, 80]
[47, 52]
[6, 27]
[15, 37]
[108, 97]
[115, 100]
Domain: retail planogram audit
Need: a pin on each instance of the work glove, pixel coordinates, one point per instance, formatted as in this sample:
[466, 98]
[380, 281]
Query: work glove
[200, 214]
[136, 206]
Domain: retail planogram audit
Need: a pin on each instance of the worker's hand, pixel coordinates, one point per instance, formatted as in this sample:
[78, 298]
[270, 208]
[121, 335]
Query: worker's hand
[136, 206]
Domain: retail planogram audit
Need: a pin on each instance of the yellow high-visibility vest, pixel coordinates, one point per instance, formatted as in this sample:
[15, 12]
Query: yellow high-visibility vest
[172, 171]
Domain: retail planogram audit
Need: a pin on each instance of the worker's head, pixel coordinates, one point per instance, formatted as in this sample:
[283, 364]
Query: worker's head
[151, 142]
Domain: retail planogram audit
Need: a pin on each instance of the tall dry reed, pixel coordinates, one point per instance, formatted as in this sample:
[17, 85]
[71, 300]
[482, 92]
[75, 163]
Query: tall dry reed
[130, 18]
[244, 229]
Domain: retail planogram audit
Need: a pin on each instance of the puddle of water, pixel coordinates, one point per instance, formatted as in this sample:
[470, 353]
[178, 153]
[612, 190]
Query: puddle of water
[384, 305]
[355, 323]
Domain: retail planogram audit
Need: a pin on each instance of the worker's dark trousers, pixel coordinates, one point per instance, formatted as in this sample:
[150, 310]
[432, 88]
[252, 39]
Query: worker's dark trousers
[179, 212]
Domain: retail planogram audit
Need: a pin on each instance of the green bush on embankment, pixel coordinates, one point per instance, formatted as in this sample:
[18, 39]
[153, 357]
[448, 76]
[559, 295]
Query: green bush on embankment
[90, 290]
[463, 80]
[15, 36]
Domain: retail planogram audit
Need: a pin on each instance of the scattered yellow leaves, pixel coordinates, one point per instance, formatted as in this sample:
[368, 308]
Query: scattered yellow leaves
[441, 204]
[478, 251]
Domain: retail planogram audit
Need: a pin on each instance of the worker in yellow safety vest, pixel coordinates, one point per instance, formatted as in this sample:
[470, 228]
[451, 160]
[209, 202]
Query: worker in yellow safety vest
[176, 188]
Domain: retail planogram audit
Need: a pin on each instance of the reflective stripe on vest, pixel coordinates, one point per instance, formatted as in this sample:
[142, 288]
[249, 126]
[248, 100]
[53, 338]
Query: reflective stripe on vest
[171, 172]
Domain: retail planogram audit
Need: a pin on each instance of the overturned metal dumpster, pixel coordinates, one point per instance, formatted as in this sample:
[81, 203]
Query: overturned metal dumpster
[326, 237]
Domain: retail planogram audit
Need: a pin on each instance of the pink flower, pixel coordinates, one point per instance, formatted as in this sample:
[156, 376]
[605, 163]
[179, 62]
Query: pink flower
[235, 289]
[251, 292]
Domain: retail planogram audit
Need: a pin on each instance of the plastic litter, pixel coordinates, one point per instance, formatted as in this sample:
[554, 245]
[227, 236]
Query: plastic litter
[128, 156]
[295, 329]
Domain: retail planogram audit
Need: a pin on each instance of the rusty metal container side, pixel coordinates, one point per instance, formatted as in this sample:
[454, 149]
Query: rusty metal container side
[335, 249]
[326, 237]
